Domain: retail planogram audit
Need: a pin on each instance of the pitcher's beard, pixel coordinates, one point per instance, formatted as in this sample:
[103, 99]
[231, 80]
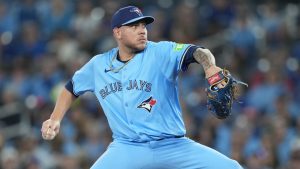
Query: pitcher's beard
[136, 49]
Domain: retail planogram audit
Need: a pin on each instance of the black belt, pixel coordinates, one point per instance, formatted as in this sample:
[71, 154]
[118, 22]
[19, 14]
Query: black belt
[170, 137]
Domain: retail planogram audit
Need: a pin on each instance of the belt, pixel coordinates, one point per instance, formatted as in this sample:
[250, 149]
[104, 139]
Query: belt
[170, 137]
[160, 139]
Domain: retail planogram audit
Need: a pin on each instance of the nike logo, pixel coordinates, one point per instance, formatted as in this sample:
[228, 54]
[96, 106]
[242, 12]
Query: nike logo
[107, 70]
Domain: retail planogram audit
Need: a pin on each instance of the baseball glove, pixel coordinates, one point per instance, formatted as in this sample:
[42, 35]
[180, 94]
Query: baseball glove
[220, 100]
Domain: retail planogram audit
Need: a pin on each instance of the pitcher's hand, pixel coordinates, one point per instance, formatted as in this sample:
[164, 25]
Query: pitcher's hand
[50, 129]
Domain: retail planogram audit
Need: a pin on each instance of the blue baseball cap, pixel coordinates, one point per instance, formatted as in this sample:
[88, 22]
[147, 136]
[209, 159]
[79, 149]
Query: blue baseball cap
[128, 15]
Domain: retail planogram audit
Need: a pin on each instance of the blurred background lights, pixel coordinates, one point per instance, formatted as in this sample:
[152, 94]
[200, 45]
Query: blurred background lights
[263, 65]
[292, 64]
[31, 102]
[97, 13]
[6, 38]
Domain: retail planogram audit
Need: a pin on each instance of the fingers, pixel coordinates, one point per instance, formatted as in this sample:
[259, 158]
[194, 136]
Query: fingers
[49, 135]
[49, 129]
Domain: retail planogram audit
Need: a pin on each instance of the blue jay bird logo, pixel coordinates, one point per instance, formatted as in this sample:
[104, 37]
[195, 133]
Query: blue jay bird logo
[147, 104]
[137, 11]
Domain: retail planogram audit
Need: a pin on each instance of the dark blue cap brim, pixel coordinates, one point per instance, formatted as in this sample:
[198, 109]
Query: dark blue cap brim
[147, 19]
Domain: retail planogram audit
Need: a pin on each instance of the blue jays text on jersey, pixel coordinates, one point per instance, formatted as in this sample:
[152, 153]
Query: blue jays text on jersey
[140, 99]
[132, 85]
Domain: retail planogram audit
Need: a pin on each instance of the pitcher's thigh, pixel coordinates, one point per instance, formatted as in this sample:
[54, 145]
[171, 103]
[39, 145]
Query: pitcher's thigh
[192, 155]
[122, 156]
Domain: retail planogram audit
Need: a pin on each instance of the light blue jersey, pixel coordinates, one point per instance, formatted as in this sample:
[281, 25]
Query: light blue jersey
[140, 97]
[140, 101]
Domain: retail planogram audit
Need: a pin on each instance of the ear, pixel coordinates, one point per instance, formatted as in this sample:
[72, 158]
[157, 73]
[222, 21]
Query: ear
[117, 33]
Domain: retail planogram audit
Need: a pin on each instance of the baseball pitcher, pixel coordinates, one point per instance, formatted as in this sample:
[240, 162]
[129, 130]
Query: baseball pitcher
[136, 85]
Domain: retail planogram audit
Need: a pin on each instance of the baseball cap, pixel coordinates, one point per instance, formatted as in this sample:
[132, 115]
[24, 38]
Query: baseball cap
[127, 15]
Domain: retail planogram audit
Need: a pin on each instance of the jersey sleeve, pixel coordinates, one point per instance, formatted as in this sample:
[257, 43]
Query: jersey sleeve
[174, 56]
[83, 79]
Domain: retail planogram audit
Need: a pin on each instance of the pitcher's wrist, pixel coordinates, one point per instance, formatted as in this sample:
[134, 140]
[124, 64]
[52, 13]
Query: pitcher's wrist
[55, 118]
[212, 70]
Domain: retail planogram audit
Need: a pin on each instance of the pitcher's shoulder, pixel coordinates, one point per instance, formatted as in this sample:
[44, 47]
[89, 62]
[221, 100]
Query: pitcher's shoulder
[160, 43]
[154, 45]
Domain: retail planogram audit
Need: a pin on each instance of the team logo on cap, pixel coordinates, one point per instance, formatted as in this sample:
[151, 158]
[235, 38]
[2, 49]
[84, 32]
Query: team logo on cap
[147, 104]
[137, 11]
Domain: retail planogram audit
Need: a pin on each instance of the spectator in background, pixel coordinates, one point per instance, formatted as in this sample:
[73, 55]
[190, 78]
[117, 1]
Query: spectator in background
[159, 30]
[28, 44]
[57, 16]
[294, 157]
[219, 14]
[8, 21]
[282, 139]
[86, 23]
[26, 12]
[10, 158]
[244, 42]
[46, 79]
[182, 30]
[17, 82]
[262, 97]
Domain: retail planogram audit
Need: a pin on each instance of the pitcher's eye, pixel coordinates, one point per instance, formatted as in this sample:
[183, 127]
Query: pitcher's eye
[133, 25]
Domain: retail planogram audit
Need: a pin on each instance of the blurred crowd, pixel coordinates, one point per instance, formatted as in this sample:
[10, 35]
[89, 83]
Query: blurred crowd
[42, 43]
